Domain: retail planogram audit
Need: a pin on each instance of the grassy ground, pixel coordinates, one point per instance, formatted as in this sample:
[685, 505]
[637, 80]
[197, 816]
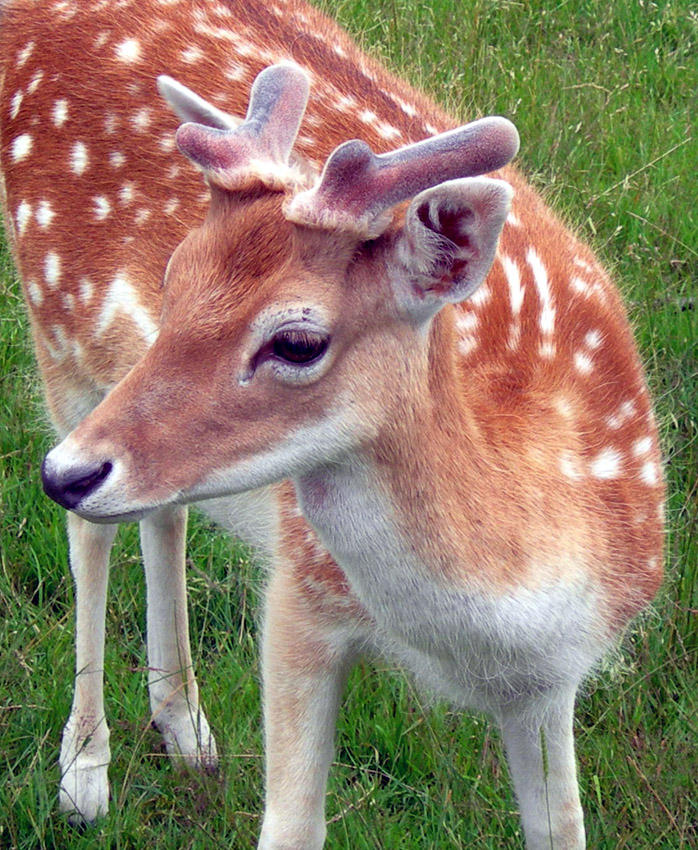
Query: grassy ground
[601, 95]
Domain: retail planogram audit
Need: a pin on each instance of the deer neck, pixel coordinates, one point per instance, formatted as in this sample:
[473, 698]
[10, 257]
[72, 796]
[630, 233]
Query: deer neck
[405, 508]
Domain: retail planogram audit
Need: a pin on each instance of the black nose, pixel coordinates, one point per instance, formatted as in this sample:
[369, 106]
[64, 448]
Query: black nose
[69, 487]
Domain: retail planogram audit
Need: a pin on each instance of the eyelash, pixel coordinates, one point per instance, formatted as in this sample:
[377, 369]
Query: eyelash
[298, 347]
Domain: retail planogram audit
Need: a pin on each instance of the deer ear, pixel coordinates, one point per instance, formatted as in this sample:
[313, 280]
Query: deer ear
[448, 243]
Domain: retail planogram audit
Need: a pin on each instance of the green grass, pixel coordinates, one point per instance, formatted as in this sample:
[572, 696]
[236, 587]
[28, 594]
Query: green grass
[601, 93]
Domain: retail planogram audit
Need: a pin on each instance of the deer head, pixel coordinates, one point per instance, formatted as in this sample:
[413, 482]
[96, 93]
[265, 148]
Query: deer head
[297, 319]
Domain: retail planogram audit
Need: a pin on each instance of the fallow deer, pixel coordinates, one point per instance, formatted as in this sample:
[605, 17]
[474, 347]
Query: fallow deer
[446, 431]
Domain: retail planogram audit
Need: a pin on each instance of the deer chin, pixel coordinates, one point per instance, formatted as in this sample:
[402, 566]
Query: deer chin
[112, 519]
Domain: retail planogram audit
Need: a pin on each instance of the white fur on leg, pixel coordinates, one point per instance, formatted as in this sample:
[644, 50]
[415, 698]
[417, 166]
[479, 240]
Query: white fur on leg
[540, 754]
[84, 758]
[304, 667]
[174, 693]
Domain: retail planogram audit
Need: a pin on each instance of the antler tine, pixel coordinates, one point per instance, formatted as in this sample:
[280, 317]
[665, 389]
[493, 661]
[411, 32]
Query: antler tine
[188, 106]
[278, 99]
[261, 145]
[357, 187]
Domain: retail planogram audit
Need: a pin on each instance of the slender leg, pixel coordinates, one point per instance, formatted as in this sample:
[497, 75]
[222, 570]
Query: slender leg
[304, 669]
[84, 759]
[174, 693]
[540, 753]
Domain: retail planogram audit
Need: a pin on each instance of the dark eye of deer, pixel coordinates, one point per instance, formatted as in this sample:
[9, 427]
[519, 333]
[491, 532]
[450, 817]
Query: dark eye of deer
[299, 346]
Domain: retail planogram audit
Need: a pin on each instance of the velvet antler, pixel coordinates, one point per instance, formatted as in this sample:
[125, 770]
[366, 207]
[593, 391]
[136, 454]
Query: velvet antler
[358, 187]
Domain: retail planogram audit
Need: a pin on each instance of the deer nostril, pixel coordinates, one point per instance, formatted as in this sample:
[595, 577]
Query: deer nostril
[82, 486]
[69, 488]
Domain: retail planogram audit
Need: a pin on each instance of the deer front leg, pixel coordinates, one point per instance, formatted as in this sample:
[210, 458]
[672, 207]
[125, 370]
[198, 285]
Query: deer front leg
[84, 758]
[540, 754]
[174, 693]
[304, 667]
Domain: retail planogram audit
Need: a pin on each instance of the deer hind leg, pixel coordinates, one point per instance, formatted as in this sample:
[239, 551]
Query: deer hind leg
[84, 758]
[305, 662]
[540, 752]
[174, 693]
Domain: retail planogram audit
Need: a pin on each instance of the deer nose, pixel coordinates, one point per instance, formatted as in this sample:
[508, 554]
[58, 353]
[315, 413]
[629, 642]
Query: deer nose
[70, 486]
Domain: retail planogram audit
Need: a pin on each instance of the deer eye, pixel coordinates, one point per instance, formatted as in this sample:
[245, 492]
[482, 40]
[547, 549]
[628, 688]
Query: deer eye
[299, 346]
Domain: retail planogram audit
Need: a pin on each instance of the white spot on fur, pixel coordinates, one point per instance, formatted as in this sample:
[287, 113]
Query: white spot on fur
[467, 344]
[59, 113]
[513, 220]
[79, 158]
[191, 55]
[430, 128]
[35, 81]
[44, 214]
[346, 103]
[111, 123]
[407, 108]
[564, 407]
[570, 466]
[15, 103]
[128, 50]
[66, 10]
[25, 53]
[649, 473]
[387, 131]
[167, 142]
[21, 147]
[642, 447]
[593, 339]
[540, 278]
[171, 206]
[481, 295]
[23, 216]
[547, 320]
[234, 71]
[122, 297]
[582, 264]
[102, 38]
[626, 411]
[142, 215]
[516, 290]
[583, 363]
[36, 296]
[466, 322]
[246, 48]
[547, 349]
[141, 119]
[61, 339]
[514, 337]
[126, 193]
[52, 269]
[116, 159]
[607, 464]
[102, 207]
[68, 300]
[580, 286]
[86, 290]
